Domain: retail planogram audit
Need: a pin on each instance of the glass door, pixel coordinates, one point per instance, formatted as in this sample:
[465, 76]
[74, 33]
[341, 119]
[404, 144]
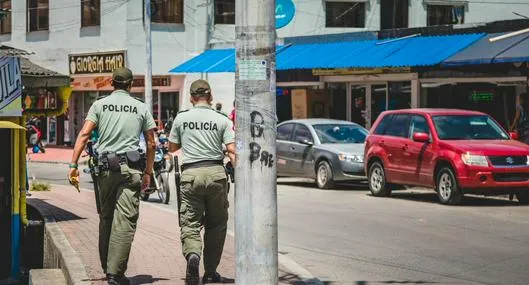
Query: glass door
[379, 102]
[358, 104]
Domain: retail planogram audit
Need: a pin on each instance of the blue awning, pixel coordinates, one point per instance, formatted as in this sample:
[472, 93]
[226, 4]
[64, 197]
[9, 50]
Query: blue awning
[403, 52]
[213, 60]
[511, 49]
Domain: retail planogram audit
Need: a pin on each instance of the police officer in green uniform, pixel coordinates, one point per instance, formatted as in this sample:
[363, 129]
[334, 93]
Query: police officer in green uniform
[119, 119]
[201, 133]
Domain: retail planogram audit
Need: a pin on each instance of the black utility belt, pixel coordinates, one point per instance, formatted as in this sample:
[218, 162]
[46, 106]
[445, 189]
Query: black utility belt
[203, 163]
[113, 161]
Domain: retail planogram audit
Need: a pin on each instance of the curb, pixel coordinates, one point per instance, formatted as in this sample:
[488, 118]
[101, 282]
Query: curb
[62, 253]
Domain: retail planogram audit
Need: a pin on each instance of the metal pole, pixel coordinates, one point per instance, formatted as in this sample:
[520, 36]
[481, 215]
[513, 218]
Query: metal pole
[148, 57]
[255, 185]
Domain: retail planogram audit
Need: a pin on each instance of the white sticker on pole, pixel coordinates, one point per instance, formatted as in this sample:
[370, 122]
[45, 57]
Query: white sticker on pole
[252, 69]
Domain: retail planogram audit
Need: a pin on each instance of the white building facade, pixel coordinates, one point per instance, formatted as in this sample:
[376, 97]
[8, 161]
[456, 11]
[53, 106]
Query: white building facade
[88, 38]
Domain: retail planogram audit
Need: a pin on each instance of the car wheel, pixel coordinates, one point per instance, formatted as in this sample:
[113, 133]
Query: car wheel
[324, 175]
[447, 189]
[523, 198]
[378, 185]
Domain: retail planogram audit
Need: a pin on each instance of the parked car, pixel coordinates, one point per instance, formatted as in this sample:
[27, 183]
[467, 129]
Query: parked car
[322, 149]
[456, 152]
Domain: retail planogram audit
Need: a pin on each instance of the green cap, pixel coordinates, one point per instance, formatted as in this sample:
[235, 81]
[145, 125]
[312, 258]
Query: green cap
[122, 75]
[200, 87]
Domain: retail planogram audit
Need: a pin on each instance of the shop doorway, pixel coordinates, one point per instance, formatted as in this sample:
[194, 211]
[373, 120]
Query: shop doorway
[358, 104]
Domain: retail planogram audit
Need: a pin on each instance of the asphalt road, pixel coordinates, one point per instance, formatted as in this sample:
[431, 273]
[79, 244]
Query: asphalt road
[346, 236]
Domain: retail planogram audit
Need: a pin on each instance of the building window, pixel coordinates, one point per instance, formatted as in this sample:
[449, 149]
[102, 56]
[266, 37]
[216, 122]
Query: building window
[345, 14]
[5, 23]
[38, 15]
[166, 11]
[393, 14]
[445, 15]
[90, 13]
[225, 12]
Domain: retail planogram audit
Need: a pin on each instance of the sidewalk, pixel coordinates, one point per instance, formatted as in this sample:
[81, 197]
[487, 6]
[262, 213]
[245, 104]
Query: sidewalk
[54, 155]
[156, 252]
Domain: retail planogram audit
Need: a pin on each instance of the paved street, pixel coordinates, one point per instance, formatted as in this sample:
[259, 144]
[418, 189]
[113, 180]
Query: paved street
[345, 236]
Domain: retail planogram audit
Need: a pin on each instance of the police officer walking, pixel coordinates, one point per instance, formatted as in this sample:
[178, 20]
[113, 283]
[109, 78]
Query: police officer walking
[119, 118]
[201, 132]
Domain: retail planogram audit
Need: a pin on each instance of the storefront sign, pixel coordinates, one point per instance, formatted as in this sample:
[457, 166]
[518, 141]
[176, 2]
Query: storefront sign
[10, 87]
[105, 82]
[285, 11]
[359, 71]
[157, 81]
[96, 63]
[482, 96]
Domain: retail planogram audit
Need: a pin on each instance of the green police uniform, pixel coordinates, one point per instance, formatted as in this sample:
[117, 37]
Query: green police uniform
[201, 132]
[120, 119]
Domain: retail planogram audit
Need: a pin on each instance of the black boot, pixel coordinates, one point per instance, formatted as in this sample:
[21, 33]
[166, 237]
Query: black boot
[212, 278]
[117, 280]
[193, 263]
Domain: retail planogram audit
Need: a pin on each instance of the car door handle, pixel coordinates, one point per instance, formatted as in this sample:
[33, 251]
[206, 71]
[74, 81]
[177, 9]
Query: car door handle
[292, 148]
[405, 147]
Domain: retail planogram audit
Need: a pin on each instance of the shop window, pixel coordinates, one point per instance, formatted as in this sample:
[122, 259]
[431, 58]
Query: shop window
[5, 22]
[345, 14]
[40, 99]
[38, 15]
[225, 12]
[90, 13]
[393, 14]
[445, 15]
[166, 11]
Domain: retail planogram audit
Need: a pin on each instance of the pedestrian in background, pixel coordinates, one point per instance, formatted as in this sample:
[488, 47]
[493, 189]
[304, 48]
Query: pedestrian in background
[119, 119]
[521, 119]
[201, 132]
[218, 107]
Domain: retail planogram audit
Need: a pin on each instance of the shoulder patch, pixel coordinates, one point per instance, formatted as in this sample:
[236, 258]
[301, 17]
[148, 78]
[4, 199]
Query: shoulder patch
[139, 99]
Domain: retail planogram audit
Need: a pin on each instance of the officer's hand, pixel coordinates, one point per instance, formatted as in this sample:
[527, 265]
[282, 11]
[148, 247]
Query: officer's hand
[73, 173]
[145, 182]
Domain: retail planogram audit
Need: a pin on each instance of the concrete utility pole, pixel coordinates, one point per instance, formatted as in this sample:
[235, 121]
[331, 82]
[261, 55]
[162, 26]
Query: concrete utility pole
[148, 57]
[255, 185]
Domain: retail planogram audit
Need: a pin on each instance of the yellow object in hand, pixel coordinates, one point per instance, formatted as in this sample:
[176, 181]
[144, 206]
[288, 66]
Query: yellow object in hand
[75, 182]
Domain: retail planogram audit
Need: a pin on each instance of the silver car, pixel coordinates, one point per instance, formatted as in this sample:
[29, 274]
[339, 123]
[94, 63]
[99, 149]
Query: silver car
[322, 149]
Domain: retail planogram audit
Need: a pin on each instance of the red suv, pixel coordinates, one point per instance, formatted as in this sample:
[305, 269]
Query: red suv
[456, 152]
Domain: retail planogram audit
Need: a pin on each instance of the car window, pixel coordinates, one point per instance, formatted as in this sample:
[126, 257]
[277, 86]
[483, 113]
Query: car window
[284, 132]
[399, 127]
[381, 128]
[302, 133]
[340, 133]
[419, 125]
[468, 127]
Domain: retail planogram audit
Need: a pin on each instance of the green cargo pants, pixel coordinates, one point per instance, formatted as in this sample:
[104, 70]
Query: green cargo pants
[119, 200]
[204, 204]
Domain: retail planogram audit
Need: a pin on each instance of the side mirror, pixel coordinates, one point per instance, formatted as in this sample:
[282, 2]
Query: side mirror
[306, 142]
[421, 137]
[514, 135]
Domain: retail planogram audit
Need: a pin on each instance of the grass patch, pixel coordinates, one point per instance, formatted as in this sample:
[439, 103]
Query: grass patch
[39, 186]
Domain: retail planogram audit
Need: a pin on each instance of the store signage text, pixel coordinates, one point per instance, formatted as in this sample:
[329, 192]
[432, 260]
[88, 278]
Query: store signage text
[105, 82]
[96, 63]
[358, 71]
[11, 87]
